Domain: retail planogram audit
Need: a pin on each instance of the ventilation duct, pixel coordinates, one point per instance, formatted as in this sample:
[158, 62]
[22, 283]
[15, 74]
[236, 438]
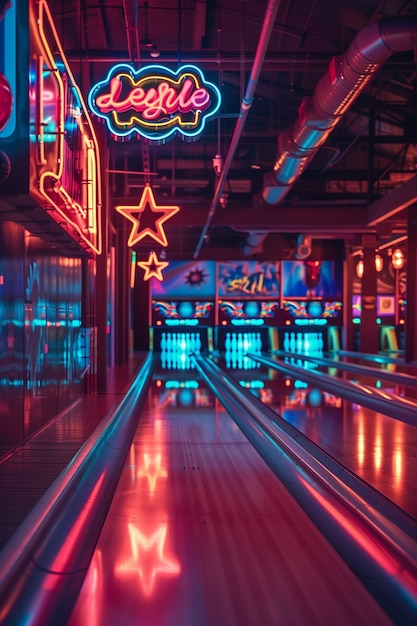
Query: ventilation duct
[345, 78]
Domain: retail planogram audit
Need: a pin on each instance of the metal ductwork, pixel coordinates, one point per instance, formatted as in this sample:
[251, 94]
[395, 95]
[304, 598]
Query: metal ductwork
[344, 80]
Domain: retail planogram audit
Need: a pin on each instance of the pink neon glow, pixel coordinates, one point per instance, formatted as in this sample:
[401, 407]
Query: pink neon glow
[367, 541]
[65, 554]
[148, 558]
[153, 103]
[152, 470]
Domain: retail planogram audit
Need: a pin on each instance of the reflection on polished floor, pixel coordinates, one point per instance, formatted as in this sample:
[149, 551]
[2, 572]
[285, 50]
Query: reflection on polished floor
[201, 531]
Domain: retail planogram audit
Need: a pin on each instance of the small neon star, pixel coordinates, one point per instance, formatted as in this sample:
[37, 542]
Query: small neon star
[147, 218]
[153, 267]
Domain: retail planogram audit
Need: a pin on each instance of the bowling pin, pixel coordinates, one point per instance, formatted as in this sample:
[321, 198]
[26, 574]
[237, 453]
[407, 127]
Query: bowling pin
[286, 342]
[228, 343]
[163, 342]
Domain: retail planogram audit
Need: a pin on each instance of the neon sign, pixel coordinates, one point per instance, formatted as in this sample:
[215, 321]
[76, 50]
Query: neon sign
[155, 102]
[147, 218]
[7, 68]
[62, 135]
[153, 267]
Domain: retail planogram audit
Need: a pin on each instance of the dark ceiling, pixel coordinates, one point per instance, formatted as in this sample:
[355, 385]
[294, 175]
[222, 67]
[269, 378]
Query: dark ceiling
[344, 192]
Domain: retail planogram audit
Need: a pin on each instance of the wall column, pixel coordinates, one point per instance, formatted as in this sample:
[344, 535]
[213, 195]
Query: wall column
[348, 328]
[101, 275]
[411, 311]
[369, 331]
[122, 294]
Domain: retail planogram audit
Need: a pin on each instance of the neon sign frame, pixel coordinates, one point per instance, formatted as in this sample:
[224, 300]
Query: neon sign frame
[50, 184]
[155, 102]
[153, 267]
[9, 53]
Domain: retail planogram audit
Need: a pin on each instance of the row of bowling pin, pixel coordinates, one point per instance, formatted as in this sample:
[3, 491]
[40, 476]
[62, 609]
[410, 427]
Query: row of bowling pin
[243, 342]
[180, 342]
[307, 343]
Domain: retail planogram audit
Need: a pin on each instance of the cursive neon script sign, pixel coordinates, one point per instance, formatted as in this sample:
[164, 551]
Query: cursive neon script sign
[155, 102]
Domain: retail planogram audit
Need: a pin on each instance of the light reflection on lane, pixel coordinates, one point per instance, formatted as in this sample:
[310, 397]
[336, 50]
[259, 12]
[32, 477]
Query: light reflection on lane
[376, 447]
[136, 557]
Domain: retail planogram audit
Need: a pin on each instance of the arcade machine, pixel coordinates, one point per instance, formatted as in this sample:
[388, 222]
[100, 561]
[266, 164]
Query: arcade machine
[311, 297]
[247, 305]
[183, 313]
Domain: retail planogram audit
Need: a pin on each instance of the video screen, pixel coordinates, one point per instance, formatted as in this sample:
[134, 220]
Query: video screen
[248, 313]
[182, 313]
[312, 279]
[314, 310]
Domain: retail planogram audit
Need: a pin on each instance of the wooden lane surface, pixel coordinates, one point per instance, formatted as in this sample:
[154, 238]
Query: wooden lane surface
[201, 533]
[378, 448]
[27, 471]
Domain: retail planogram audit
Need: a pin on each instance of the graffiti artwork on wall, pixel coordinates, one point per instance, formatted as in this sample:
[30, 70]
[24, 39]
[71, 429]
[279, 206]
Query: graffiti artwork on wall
[248, 279]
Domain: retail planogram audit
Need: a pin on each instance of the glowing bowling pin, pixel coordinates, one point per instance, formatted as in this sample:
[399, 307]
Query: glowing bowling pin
[286, 342]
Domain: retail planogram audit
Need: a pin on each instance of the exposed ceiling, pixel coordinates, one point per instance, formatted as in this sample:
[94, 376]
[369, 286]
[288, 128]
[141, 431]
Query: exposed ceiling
[368, 155]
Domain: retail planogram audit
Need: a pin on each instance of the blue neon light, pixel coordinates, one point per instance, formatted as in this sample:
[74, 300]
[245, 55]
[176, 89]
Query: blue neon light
[176, 322]
[248, 322]
[310, 322]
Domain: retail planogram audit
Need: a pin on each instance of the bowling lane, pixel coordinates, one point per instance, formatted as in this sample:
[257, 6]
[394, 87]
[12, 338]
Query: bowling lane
[201, 532]
[378, 448]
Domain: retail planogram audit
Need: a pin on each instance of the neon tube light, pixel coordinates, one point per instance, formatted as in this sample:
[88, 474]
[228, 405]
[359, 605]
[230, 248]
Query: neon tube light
[154, 101]
[76, 202]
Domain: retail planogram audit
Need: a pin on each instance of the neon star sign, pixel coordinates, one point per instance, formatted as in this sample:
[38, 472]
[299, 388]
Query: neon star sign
[155, 102]
[153, 267]
[147, 218]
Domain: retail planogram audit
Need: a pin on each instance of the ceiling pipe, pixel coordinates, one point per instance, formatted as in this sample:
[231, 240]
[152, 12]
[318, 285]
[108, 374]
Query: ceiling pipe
[344, 80]
[266, 31]
[130, 11]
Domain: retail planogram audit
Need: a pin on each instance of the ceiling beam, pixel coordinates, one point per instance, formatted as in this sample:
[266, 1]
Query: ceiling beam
[394, 202]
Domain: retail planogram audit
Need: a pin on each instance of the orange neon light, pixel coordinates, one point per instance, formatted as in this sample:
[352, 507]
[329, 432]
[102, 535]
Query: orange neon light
[76, 204]
[153, 268]
[147, 208]
[148, 558]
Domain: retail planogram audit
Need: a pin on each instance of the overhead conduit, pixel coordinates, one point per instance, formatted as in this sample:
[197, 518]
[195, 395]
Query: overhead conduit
[344, 80]
[266, 31]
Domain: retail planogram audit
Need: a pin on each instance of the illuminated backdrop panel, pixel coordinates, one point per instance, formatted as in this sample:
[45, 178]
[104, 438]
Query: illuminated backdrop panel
[312, 279]
[248, 279]
[186, 279]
